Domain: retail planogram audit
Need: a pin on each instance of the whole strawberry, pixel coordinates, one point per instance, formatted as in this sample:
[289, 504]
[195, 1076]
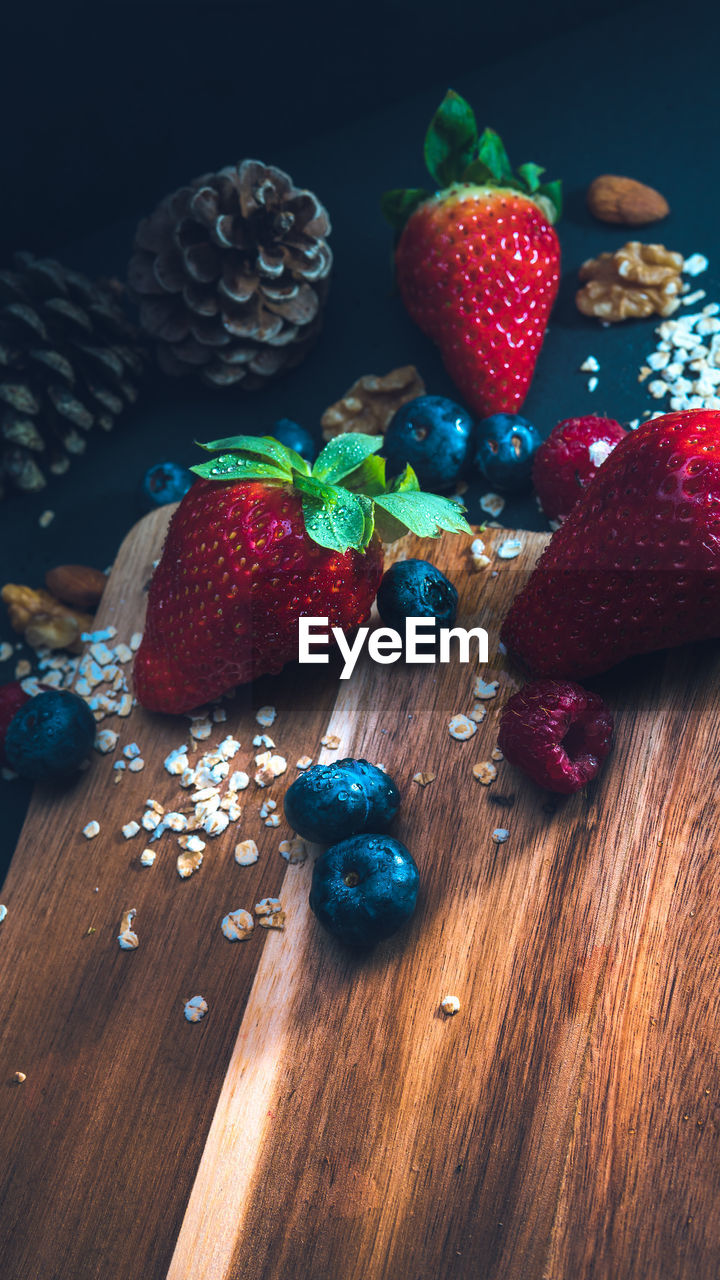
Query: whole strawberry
[478, 262]
[569, 459]
[636, 565]
[261, 540]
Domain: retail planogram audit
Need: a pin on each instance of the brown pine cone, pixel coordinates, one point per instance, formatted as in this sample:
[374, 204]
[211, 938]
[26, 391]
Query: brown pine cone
[69, 360]
[231, 274]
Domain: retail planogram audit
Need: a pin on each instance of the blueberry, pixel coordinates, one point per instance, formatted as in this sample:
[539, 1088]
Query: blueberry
[503, 448]
[364, 889]
[416, 589]
[433, 435]
[50, 735]
[331, 801]
[293, 436]
[167, 482]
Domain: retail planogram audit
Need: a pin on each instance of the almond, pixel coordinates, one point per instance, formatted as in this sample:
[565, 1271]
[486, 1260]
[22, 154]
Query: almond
[625, 201]
[76, 584]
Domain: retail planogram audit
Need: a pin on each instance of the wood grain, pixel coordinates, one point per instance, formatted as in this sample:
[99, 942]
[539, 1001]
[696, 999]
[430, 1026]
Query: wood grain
[326, 1119]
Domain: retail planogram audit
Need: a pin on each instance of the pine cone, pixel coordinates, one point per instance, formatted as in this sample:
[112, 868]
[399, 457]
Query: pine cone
[69, 360]
[231, 273]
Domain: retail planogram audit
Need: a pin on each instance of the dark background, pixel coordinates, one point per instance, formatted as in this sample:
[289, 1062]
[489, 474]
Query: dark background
[105, 109]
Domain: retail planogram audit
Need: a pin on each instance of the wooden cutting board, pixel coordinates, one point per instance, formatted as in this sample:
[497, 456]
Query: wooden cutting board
[326, 1119]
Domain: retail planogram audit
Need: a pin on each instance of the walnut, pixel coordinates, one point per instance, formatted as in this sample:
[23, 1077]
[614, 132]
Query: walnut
[637, 280]
[371, 402]
[42, 620]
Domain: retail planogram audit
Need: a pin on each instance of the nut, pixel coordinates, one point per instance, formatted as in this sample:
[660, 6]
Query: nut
[625, 201]
[42, 620]
[77, 584]
[371, 402]
[637, 280]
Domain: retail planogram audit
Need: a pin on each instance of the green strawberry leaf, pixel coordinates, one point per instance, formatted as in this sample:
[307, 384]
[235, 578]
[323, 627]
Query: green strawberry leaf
[451, 139]
[492, 153]
[477, 172]
[406, 482]
[343, 455]
[553, 192]
[334, 518]
[425, 514]
[264, 447]
[368, 478]
[233, 466]
[397, 205]
[531, 174]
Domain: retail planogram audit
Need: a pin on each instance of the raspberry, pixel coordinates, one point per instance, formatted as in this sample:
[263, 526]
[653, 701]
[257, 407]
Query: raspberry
[12, 698]
[569, 459]
[557, 733]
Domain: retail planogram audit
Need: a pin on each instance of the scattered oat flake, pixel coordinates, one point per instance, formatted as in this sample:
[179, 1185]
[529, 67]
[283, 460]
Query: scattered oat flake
[485, 689]
[219, 715]
[91, 829]
[22, 669]
[496, 754]
[492, 503]
[125, 705]
[228, 748]
[177, 762]
[237, 925]
[478, 713]
[127, 938]
[423, 779]
[3, 912]
[195, 1009]
[188, 862]
[46, 518]
[246, 852]
[450, 1005]
[590, 365]
[592, 383]
[193, 844]
[147, 857]
[131, 751]
[273, 820]
[135, 641]
[266, 716]
[200, 730]
[695, 264]
[130, 829]
[262, 740]
[510, 548]
[331, 741]
[303, 763]
[6, 651]
[105, 741]
[294, 851]
[270, 914]
[137, 765]
[19, 1077]
[215, 823]
[485, 772]
[499, 835]
[462, 728]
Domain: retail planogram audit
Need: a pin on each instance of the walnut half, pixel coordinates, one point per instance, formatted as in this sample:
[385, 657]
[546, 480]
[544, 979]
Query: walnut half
[371, 402]
[635, 281]
[43, 620]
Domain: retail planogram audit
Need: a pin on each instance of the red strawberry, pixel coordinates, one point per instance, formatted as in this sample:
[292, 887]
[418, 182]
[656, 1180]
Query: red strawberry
[12, 698]
[260, 541]
[478, 262]
[557, 732]
[636, 565]
[568, 460]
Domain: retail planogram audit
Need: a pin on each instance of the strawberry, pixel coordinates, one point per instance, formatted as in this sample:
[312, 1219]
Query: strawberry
[260, 540]
[12, 698]
[636, 565]
[478, 262]
[568, 460]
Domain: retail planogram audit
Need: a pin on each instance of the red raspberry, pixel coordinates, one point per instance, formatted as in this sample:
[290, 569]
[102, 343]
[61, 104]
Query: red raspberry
[568, 460]
[12, 698]
[557, 732]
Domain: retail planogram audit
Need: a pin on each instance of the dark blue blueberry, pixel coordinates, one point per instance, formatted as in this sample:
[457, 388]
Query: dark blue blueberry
[381, 792]
[503, 448]
[167, 482]
[331, 801]
[293, 436]
[433, 435]
[416, 589]
[50, 735]
[364, 889]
